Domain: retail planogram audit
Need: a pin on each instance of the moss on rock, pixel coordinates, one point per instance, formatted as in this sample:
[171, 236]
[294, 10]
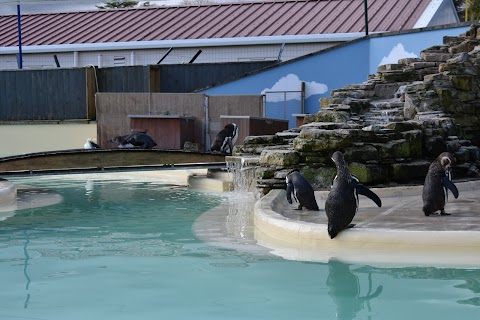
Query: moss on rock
[368, 173]
[319, 178]
[280, 157]
[319, 140]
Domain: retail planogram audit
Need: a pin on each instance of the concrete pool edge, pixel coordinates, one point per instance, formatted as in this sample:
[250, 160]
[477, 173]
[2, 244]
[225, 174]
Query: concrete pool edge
[304, 241]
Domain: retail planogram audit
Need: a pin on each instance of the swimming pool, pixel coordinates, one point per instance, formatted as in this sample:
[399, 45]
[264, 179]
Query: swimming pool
[124, 249]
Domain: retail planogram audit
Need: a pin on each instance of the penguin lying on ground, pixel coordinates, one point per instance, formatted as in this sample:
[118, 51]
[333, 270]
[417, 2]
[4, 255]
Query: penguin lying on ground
[342, 201]
[437, 183]
[225, 139]
[302, 191]
[134, 139]
[90, 144]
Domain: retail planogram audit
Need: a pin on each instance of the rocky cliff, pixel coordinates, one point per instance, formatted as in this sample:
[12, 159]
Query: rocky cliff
[389, 127]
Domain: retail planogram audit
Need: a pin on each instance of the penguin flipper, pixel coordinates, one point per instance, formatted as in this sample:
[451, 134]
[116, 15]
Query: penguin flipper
[230, 145]
[289, 192]
[448, 184]
[361, 189]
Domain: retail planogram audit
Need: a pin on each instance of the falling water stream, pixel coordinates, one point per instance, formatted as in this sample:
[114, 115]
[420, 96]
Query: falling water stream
[241, 200]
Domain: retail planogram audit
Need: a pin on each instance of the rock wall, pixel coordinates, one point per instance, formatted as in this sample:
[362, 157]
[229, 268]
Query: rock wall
[390, 127]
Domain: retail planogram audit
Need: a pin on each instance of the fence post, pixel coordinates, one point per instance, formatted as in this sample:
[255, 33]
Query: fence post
[19, 26]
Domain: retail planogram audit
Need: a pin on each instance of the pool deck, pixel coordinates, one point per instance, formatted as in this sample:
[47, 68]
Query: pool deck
[397, 233]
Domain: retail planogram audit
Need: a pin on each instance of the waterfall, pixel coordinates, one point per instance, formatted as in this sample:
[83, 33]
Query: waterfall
[241, 200]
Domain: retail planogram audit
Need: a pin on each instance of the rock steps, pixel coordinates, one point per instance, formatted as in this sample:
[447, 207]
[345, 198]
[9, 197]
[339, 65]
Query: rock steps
[390, 126]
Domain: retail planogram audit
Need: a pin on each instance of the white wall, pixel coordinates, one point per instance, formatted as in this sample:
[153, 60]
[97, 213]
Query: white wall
[113, 58]
[28, 138]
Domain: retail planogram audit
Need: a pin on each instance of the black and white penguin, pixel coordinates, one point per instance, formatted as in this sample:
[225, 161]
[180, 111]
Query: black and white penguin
[142, 140]
[302, 191]
[225, 139]
[437, 183]
[344, 289]
[90, 144]
[134, 139]
[341, 204]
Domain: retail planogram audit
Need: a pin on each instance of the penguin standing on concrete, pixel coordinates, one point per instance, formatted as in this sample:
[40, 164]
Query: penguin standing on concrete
[225, 139]
[342, 201]
[302, 191]
[437, 183]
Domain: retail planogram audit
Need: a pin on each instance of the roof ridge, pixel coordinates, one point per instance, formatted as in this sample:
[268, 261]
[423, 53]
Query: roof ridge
[164, 7]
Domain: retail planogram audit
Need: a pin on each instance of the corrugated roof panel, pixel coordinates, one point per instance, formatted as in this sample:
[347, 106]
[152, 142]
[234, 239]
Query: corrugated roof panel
[249, 25]
[277, 23]
[123, 28]
[9, 30]
[267, 16]
[74, 24]
[192, 21]
[213, 17]
[417, 12]
[376, 16]
[196, 21]
[97, 30]
[168, 24]
[395, 21]
[319, 24]
[248, 19]
[216, 28]
[338, 13]
[51, 31]
[304, 15]
[173, 29]
[154, 27]
[221, 20]
[349, 19]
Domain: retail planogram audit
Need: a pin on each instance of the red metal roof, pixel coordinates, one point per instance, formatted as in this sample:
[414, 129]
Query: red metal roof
[223, 20]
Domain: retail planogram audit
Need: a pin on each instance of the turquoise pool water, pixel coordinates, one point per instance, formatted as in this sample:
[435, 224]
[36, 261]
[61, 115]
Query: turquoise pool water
[121, 249]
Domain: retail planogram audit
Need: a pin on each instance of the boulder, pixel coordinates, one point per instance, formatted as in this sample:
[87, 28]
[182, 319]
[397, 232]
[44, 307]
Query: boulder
[368, 173]
[282, 158]
[320, 140]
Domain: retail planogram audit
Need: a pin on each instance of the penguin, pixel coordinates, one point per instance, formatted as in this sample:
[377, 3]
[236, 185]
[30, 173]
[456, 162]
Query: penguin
[142, 140]
[345, 290]
[437, 183]
[121, 141]
[341, 204]
[134, 139]
[225, 139]
[302, 191]
[90, 144]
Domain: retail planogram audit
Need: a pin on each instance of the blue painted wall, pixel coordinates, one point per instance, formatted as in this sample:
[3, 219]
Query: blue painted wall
[330, 69]
[390, 48]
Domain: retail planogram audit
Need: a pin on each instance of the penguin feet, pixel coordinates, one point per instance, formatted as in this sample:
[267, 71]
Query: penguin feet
[427, 211]
[351, 225]
[443, 213]
[298, 208]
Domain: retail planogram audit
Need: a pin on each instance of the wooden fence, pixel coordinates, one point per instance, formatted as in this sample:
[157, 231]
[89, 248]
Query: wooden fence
[113, 110]
[53, 94]
[67, 94]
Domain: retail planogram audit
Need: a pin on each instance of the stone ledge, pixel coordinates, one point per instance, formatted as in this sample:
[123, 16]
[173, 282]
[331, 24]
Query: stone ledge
[381, 244]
